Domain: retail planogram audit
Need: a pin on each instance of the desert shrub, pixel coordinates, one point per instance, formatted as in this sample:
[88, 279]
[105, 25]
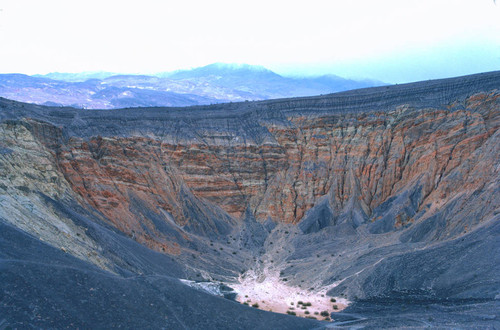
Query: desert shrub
[333, 300]
[324, 314]
[255, 305]
[291, 313]
[307, 312]
[307, 304]
[335, 307]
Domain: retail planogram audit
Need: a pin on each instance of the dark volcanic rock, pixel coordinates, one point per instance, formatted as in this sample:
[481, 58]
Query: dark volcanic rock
[387, 313]
[451, 270]
[44, 287]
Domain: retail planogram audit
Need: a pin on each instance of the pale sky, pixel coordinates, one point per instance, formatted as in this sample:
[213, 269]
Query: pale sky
[389, 40]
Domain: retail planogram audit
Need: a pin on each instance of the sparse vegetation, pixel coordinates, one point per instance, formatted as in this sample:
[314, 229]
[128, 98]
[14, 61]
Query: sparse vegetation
[256, 305]
[291, 313]
[333, 300]
[325, 313]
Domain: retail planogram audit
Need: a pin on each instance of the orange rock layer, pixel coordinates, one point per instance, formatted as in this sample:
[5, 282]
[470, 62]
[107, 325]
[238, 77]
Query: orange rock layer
[370, 156]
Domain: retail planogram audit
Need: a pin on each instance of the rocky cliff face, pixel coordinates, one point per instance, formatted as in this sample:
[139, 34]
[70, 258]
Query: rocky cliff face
[361, 163]
[365, 177]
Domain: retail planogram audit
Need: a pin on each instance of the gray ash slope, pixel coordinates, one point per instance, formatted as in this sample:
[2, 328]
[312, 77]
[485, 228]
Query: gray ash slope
[43, 287]
[439, 270]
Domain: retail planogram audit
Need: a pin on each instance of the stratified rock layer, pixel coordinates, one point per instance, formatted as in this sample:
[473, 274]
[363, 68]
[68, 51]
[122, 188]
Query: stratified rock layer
[358, 161]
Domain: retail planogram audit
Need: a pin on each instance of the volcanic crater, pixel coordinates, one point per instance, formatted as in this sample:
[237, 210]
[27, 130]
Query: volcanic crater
[374, 207]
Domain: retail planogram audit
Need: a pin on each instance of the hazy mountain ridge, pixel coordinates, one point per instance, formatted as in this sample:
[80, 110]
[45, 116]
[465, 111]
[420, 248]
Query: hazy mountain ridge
[215, 83]
[76, 77]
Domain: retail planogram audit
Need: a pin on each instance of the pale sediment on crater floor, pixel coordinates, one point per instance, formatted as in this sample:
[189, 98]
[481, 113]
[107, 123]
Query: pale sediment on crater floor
[268, 292]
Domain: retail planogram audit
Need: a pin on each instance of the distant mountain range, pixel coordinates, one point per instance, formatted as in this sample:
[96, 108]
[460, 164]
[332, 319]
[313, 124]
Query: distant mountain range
[214, 83]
